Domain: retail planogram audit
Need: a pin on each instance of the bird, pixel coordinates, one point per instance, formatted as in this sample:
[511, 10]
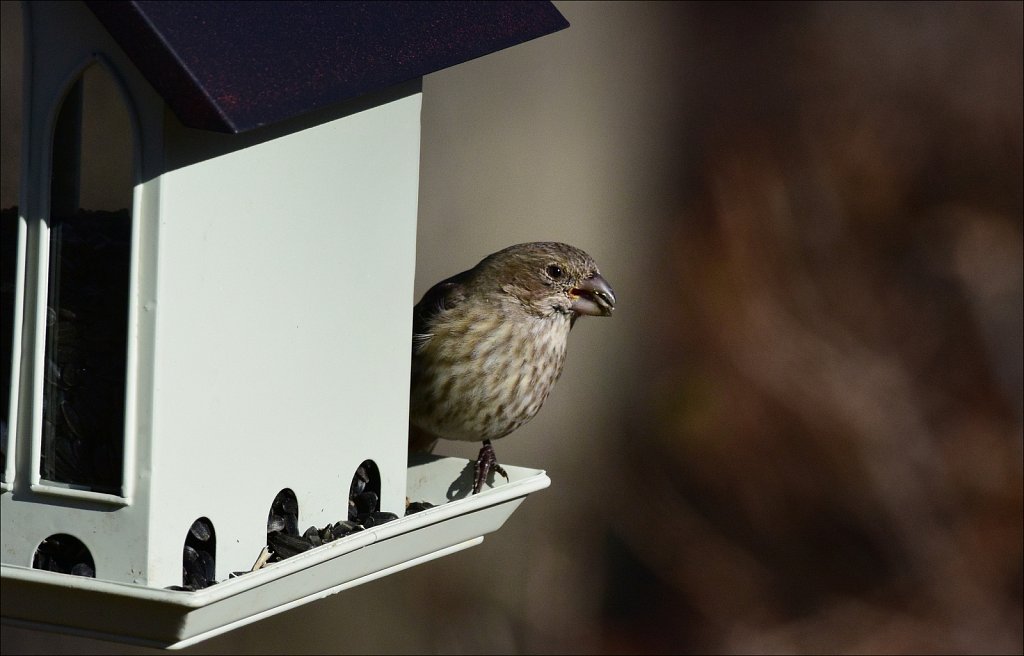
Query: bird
[489, 343]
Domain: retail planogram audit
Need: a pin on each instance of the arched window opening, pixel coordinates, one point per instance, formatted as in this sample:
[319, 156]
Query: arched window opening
[199, 556]
[65, 554]
[283, 538]
[364, 493]
[90, 229]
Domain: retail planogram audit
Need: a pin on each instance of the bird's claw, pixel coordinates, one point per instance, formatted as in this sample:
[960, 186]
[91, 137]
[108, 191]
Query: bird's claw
[486, 462]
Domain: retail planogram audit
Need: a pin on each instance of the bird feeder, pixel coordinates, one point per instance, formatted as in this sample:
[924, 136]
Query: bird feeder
[235, 339]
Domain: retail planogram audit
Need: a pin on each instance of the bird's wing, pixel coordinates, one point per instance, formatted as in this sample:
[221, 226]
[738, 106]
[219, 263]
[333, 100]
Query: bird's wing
[440, 298]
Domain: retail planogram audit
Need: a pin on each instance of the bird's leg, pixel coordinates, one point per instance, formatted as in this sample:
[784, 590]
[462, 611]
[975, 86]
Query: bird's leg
[485, 462]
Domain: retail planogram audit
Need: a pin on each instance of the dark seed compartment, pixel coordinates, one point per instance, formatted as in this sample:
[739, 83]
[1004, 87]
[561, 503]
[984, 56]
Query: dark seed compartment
[283, 537]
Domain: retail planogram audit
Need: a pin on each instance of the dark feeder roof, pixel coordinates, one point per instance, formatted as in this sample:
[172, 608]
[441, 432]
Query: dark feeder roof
[238, 65]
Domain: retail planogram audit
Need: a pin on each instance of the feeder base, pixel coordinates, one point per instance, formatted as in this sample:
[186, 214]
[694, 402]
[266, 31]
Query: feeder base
[155, 617]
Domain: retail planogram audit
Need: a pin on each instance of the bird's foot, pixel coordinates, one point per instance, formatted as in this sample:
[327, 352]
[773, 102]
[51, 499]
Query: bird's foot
[486, 462]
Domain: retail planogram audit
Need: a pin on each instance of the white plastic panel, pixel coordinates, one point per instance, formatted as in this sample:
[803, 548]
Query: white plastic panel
[284, 289]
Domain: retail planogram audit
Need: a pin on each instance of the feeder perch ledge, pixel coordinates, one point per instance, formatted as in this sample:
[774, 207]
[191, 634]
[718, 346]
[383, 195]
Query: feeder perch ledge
[173, 619]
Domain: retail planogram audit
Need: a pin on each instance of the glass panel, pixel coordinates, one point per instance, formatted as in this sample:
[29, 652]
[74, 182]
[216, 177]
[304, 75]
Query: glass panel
[87, 298]
[8, 261]
[10, 177]
[11, 59]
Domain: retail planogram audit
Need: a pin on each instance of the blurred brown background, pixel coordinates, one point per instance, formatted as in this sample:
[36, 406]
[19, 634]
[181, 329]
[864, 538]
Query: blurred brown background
[802, 430]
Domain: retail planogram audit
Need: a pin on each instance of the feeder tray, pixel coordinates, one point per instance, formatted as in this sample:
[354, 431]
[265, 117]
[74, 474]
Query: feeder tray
[156, 617]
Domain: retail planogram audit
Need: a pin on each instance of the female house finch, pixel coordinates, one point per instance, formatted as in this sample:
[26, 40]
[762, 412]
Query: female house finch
[489, 343]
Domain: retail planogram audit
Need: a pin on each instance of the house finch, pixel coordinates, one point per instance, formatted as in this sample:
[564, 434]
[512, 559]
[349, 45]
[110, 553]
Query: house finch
[489, 343]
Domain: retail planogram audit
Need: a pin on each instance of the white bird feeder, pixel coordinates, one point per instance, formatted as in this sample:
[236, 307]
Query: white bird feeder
[238, 334]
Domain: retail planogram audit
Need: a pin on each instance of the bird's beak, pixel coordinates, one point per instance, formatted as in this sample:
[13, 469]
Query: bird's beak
[593, 296]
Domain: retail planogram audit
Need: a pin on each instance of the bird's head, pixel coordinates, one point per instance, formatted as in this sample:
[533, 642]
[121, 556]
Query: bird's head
[551, 278]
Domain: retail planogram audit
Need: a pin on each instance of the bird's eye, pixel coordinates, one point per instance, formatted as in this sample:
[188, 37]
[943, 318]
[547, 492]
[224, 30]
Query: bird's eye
[555, 271]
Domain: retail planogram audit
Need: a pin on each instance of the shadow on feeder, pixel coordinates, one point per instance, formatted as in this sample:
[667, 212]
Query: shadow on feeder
[462, 486]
